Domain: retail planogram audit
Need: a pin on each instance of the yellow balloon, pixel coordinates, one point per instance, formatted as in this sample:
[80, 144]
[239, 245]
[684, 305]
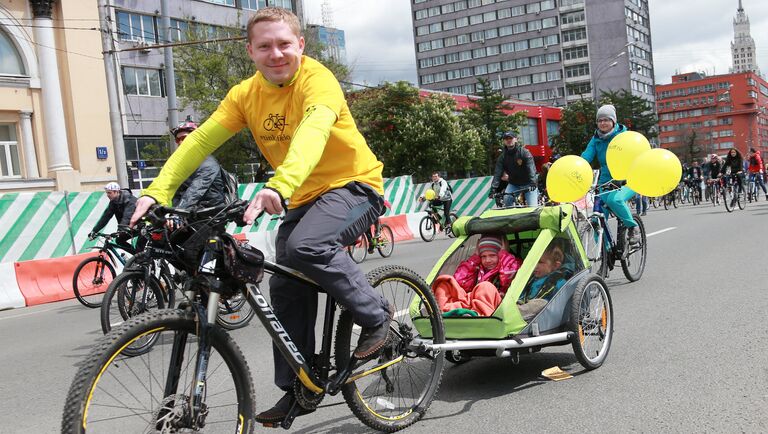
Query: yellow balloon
[569, 179]
[429, 194]
[655, 173]
[623, 150]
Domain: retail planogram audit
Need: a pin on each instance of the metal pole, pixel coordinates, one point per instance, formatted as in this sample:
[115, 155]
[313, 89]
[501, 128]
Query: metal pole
[170, 74]
[115, 117]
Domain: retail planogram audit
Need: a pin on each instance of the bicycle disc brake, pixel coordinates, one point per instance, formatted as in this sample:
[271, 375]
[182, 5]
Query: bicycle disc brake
[173, 414]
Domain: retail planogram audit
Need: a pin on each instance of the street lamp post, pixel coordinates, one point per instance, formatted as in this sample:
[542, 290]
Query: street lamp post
[602, 68]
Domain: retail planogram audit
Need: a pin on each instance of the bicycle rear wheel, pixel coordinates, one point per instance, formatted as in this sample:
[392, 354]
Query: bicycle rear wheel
[359, 249]
[427, 228]
[386, 241]
[113, 392]
[633, 256]
[91, 279]
[398, 395]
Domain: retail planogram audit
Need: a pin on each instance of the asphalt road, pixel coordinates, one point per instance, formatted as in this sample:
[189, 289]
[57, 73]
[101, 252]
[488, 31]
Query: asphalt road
[690, 350]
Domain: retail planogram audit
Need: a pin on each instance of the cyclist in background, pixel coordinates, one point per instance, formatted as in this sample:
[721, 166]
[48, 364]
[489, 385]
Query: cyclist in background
[694, 177]
[205, 187]
[517, 162]
[734, 162]
[755, 169]
[443, 197]
[121, 205]
[616, 200]
[325, 175]
[714, 175]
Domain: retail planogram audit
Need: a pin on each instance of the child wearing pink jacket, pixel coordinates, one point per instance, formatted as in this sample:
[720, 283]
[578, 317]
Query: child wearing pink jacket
[481, 281]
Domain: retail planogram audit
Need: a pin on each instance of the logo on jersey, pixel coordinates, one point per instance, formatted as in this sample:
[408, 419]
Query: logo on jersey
[274, 122]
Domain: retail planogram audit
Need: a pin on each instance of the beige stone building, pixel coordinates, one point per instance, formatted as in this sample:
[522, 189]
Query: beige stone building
[54, 113]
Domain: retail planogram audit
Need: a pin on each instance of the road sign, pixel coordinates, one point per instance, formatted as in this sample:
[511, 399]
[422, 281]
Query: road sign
[101, 152]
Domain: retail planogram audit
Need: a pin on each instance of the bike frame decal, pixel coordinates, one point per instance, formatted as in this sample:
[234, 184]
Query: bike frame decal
[281, 338]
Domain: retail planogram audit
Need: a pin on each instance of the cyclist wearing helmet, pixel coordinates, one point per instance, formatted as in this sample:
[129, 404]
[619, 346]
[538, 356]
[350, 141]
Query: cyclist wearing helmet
[121, 205]
[205, 187]
[616, 201]
[325, 173]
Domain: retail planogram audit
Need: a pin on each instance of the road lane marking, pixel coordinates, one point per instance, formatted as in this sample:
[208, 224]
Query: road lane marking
[661, 231]
[28, 313]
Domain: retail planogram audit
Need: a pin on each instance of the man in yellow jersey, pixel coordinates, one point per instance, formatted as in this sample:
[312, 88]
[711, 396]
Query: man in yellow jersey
[324, 171]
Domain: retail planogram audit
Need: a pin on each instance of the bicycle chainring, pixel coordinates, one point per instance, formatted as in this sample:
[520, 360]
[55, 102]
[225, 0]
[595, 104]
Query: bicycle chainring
[307, 399]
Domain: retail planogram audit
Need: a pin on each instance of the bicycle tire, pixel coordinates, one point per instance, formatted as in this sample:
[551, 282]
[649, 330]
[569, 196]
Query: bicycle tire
[114, 310]
[358, 250]
[666, 202]
[385, 412]
[728, 198]
[632, 265]
[83, 293]
[107, 379]
[741, 199]
[591, 316]
[386, 241]
[427, 228]
[453, 218]
[235, 313]
[593, 248]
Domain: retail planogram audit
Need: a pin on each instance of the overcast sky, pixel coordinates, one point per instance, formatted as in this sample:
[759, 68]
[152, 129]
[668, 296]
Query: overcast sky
[687, 35]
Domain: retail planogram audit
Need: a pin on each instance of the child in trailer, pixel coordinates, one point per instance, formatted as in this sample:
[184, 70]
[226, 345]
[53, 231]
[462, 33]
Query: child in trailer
[548, 277]
[480, 282]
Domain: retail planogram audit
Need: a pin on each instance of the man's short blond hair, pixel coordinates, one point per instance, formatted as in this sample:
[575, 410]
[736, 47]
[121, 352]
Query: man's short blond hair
[274, 14]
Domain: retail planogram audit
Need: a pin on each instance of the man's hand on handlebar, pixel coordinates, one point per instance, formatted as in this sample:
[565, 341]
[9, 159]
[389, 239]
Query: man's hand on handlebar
[142, 206]
[266, 200]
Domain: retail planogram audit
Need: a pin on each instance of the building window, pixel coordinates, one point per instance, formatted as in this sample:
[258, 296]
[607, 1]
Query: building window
[575, 53]
[572, 17]
[575, 34]
[221, 2]
[253, 4]
[179, 30]
[10, 60]
[577, 70]
[9, 152]
[530, 132]
[136, 27]
[142, 81]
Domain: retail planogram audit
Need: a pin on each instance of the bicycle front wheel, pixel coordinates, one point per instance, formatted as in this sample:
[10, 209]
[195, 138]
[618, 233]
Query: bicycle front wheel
[91, 279]
[113, 392]
[235, 312]
[427, 228]
[729, 198]
[396, 396]
[633, 258]
[127, 296]
[592, 242]
[385, 243]
[359, 249]
[741, 199]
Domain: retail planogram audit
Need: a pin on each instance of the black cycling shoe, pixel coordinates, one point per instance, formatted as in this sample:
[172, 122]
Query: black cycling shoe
[373, 339]
[277, 413]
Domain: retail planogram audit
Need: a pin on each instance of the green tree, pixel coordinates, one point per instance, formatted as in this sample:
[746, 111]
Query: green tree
[414, 135]
[633, 111]
[488, 116]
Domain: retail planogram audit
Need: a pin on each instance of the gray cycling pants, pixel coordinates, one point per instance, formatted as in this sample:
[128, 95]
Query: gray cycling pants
[312, 239]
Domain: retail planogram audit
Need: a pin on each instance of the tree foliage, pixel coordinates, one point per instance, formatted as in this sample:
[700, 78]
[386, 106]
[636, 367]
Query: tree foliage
[577, 125]
[414, 135]
[207, 71]
[488, 115]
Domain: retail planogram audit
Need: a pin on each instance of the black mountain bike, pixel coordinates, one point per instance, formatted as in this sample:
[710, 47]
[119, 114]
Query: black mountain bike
[185, 373]
[733, 191]
[430, 224]
[92, 276]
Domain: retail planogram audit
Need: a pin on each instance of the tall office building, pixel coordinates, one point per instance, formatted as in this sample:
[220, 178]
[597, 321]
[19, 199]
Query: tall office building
[743, 46]
[551, 51]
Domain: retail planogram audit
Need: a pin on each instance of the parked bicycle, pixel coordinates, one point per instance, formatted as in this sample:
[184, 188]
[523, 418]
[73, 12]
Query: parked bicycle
[382, 239]
[186, 373]
[92, 276]
[604, 248]
[433, 222]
